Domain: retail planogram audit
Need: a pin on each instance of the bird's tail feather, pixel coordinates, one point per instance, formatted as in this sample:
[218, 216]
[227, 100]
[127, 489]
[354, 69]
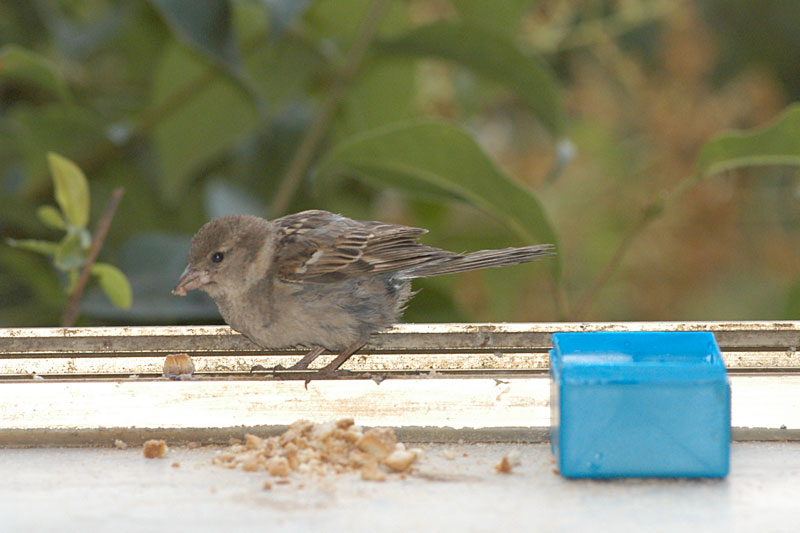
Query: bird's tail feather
[478, 260]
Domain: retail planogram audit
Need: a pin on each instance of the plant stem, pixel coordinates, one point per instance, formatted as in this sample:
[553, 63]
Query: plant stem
[656, 208]
[73, 305]
[305, 152]
[590, 295]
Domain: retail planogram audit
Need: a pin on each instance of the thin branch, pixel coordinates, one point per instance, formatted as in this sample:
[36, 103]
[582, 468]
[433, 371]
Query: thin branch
[590, 295]
[305, 152]
[73, 305]
[656, 209]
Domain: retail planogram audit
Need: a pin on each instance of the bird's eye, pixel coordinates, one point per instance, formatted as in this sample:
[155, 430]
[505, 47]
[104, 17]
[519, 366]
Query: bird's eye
[217, 257]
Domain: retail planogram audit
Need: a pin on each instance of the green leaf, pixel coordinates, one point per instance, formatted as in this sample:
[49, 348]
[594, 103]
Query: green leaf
[503, 17]
[51, 217]
[494, 56]
[34, 245]
[71, 189]
[204, 25]
[286, 70]
[70, 253]
[381, 94]
[338, 22]
[114, 284]
[438, 158]
[24, 66]
[776, 144]
[205, 124]
[25, 274]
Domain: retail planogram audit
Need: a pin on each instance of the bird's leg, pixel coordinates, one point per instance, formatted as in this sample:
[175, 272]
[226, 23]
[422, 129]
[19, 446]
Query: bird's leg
[308, 358]
[340, 359]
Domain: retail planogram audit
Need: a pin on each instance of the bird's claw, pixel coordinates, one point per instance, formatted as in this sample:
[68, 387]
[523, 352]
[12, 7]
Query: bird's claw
[329, 373]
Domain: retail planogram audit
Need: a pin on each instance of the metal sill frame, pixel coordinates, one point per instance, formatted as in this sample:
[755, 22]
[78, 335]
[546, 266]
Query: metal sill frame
[432, 382]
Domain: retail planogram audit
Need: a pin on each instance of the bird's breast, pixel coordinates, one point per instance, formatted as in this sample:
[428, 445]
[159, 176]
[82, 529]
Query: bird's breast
[332, 315]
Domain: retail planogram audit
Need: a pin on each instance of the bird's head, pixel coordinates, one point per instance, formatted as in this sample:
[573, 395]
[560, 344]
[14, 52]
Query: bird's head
[225, 255]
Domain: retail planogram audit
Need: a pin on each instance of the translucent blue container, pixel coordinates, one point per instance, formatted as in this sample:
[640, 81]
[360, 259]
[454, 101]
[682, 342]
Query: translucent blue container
[639, 404]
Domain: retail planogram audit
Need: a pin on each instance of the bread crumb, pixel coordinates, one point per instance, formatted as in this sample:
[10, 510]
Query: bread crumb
[320, 449]
[345, 423]
[450, 455]
[175, 464]
[378, 442]
[267, 485]
[278, 466]
[178, 366]
[252, 464]
[120, 444]
[154, 448]
[509, 460]
[371, 472]
[358, 459]
[400, 460]
[252, 442]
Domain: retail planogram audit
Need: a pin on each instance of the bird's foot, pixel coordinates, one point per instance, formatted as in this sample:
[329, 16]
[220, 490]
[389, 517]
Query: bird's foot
[307, 359]
[331, 373]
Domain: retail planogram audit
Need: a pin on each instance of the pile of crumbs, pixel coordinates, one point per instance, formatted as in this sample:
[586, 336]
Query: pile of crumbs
[321, 449]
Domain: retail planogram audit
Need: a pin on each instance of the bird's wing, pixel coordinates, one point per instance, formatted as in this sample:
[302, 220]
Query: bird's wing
[321, 247]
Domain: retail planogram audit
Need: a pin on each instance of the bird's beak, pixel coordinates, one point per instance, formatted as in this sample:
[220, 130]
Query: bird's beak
[190, 280]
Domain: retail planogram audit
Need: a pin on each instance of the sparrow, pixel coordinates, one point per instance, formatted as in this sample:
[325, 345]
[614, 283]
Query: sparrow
[320, 280]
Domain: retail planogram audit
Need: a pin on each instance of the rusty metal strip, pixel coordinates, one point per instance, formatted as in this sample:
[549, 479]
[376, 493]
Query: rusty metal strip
[772, 335]
[746, 346]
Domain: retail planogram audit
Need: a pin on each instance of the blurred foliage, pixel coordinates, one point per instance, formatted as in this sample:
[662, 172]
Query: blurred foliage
[492, 124]
[71, 254]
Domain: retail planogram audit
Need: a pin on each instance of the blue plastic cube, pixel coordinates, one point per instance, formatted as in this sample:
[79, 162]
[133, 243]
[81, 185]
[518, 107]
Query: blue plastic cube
[639, 404]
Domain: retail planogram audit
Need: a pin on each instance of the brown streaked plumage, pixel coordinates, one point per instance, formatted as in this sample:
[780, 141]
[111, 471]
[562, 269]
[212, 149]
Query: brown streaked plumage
[318, 279]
